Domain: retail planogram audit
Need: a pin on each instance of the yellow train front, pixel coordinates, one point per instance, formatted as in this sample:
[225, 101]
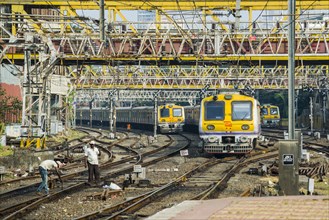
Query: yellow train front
[270, 115]
[171, 118]
[229, 123]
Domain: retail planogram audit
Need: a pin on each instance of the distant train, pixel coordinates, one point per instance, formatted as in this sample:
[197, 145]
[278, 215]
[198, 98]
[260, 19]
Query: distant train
[229, 123]
[170, 117]
[270, 115]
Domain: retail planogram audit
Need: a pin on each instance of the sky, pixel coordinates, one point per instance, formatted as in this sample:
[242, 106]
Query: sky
[130, 15]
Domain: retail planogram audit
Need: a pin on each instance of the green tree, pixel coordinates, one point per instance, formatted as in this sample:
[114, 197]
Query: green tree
[8, 103]
[275, 97]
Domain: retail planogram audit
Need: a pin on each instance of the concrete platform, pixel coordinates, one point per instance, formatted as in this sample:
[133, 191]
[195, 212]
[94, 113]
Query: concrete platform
[280, 207]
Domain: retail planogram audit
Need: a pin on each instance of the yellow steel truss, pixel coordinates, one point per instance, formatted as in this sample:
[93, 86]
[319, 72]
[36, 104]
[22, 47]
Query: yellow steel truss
[173, 5]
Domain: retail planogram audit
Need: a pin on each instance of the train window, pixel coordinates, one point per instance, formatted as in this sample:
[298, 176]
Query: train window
[264, 111]
[164, 112]
[241, 110]
[214, 110]
[274, 111]
[177, 112]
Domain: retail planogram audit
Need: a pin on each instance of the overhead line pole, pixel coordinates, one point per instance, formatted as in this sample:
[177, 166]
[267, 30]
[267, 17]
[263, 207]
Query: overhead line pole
[102, 20]
[291, 69]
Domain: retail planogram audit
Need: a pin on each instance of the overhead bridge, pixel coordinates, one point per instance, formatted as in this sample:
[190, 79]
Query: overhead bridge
[58, 53]
[175, 45]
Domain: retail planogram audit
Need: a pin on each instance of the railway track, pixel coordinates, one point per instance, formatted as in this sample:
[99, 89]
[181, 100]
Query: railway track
[24, 192]
[209, 187]
[309, 142]
[117, 168]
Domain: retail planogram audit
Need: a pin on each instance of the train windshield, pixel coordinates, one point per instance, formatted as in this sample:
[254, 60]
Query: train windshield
[274, 111]
[214, 110]
[241, 111]
[177, 112]
[164, 112]
[264, 111]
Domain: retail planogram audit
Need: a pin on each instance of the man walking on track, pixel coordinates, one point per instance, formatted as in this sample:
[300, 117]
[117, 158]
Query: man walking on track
[91, 159]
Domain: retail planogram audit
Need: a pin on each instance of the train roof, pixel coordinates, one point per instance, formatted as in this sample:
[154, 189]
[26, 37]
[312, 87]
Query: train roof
[229, 96]
[269, 105]
[171, 105]
[143, 107]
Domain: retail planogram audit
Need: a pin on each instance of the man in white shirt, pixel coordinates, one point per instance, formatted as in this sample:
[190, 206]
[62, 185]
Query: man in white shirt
[43, 170]
[91, 158]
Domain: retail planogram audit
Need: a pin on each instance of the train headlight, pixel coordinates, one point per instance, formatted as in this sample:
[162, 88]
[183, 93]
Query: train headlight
[245, 127]
[212, 139]
[243, 139]
[228, 97]
[163, 120]
[210, 127]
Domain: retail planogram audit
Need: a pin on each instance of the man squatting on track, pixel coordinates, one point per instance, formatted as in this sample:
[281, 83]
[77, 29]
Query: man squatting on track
[43, 170]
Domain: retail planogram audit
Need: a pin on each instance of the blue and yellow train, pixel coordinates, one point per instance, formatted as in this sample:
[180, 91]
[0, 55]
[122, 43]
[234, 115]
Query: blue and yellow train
[170, 117]
[227, 123]
[270, 115]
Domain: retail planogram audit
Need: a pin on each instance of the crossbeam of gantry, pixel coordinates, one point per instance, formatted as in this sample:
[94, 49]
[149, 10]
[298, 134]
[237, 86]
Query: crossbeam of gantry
[178, 46]
[173, 5]
[98, 96]
[196, 77]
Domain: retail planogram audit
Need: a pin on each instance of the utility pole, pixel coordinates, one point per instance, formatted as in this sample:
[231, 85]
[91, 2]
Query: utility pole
[324, 98]
[237, 15]
[288, 149]
[155, 115]
[296, 106]
[91, 113]
[80, 116]
[102, 21]
[324, 94]
[291, 69]
[111, 111]
[114, 117]
[311, 114]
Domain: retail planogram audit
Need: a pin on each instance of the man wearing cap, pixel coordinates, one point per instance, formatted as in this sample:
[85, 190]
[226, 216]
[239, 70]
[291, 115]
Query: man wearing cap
[91, 158]
[43, 170]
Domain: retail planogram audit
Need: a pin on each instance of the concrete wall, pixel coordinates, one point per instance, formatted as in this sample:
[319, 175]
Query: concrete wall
[22, 158]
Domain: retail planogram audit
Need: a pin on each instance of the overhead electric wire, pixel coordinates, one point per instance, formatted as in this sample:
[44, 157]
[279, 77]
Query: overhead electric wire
[181, 14]
[57, 9]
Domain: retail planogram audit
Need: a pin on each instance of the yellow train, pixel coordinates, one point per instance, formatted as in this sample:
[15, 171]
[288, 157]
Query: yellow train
[170, 117]
[270, 115]
[229, 123]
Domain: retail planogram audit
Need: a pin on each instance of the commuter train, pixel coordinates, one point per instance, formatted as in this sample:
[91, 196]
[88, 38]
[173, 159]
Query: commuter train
[228, 123]
[170, 117]
[270, 115]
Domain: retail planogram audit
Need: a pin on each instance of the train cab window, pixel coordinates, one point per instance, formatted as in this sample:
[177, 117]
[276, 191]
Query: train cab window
[241, 110]
[274, 111]
[214, 110]
[164, 112]
[264, 111]
[177, 112]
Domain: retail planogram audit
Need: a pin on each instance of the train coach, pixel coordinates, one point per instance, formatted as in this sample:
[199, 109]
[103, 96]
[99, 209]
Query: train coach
[270, 115]
[229, 123]
[170, 117]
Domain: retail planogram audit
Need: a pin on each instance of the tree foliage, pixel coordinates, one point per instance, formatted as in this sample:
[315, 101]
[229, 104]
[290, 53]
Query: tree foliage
[8, 104]
[275, 97]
